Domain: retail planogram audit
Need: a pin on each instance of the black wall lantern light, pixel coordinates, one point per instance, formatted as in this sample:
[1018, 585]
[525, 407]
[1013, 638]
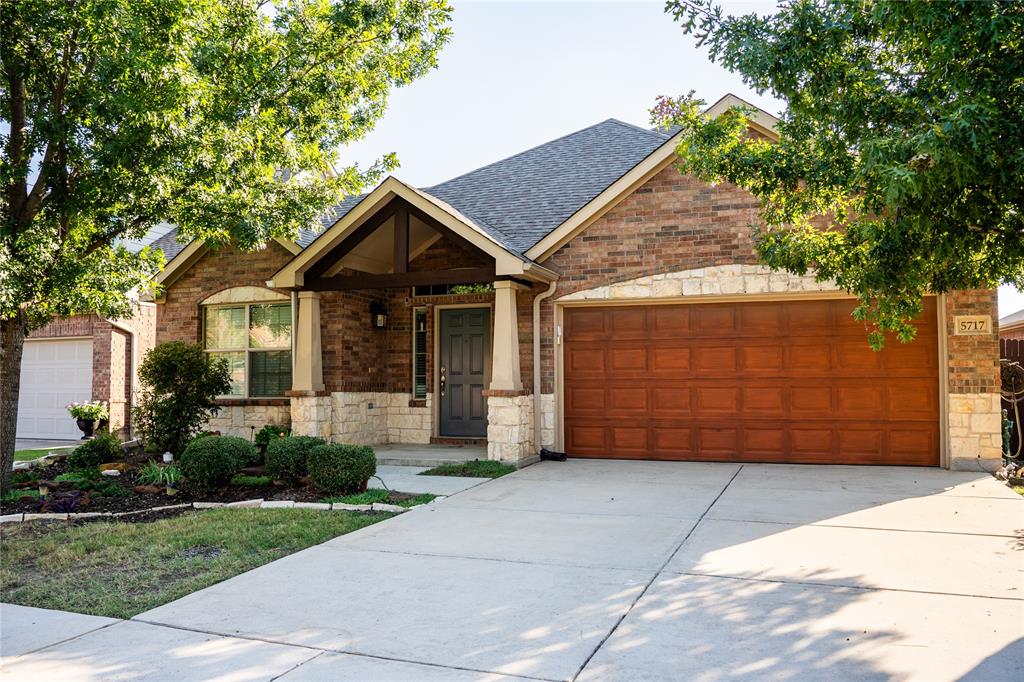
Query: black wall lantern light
[378, 315]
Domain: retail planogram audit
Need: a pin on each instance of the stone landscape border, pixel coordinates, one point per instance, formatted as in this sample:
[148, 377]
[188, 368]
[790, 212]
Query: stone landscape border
[241, 504]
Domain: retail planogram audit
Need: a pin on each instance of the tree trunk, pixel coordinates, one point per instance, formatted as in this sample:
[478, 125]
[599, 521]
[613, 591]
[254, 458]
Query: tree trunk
[12, 343]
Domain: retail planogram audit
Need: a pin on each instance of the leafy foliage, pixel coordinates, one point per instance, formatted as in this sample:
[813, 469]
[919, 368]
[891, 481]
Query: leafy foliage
[184, 111]
[251, 481]
[341, 469]
[180, 386]
[210, 462]
[477, 468]
[287, 457]
[105, 447]
[223, 117]
[268, 433]
[903, 125]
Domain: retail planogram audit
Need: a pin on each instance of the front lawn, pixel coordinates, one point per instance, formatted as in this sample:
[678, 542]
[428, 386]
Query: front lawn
[122, 569]
[477, 468]
[27, 455]
[384, 496]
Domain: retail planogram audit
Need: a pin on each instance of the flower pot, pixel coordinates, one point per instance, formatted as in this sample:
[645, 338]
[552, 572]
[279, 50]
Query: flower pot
[86, 426]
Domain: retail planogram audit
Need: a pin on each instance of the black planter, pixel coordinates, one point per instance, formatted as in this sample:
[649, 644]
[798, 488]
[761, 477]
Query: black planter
[87, 426]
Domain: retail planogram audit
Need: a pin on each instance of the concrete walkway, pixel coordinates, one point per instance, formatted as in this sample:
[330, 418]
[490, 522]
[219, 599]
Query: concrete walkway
[596, 570]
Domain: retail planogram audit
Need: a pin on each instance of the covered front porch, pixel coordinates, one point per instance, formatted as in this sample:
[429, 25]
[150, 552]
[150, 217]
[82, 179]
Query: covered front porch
[408, 320]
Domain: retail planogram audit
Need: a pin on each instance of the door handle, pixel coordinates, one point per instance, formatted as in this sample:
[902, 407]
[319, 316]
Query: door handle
[442, 381]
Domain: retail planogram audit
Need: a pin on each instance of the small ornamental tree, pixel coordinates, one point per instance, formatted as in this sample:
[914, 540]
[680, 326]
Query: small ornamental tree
[223, 117]
[180, 385]
[904, 125]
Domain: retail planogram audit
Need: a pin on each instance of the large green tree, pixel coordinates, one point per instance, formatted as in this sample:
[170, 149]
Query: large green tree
[223, 117]
[904, 125]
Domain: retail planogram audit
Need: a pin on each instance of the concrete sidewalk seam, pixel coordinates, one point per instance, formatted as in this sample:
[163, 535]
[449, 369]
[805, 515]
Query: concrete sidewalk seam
[323, 650]
[863, 588]
[483, 558]
[654, 577]
[69, 639]
[297, 666]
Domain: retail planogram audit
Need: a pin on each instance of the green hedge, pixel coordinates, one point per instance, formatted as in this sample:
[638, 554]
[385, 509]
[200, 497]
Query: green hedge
[210, 461]
[105, 447]
[286, 457]
[341, 469]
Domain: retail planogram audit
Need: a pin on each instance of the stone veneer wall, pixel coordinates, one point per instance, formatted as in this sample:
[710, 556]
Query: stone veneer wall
[408, 421]
[362, 418]
[972, 362]
[510, 428]
[547, 416]
[241, 420]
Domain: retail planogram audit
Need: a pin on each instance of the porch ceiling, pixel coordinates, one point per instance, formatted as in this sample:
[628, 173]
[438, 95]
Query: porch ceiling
[389, 227]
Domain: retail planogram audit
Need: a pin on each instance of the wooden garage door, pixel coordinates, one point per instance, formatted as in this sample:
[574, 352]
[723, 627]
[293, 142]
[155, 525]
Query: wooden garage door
[788, 381]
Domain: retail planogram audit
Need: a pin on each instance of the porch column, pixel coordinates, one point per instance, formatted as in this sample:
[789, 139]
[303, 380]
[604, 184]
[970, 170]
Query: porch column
[505, 374]
[308, 373]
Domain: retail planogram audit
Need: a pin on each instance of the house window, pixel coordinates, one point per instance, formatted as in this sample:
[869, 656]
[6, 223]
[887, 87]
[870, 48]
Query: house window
[419, 353]
[256, 340]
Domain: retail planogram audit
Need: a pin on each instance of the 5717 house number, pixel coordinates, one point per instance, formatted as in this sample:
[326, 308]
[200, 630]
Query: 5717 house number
[964, 325]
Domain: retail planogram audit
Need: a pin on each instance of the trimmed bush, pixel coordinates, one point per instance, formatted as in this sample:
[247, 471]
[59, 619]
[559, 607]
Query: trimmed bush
[341, 469]
[211, 461]
[286, 457]
[105, 447]
[268, 433]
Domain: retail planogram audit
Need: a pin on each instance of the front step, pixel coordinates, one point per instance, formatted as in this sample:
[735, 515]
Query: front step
[428, 455]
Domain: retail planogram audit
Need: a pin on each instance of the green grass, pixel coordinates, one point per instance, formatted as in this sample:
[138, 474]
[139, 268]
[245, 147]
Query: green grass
[477, 468]
[251, 481]
[122, 569]
[15, 495]
[375, 495]
[26, 455]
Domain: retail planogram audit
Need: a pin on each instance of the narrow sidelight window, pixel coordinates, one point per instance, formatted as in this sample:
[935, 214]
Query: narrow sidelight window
[419, 353]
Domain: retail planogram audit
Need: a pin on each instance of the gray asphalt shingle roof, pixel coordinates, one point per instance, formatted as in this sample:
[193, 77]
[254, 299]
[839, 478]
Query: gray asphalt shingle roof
[522, 198]
[169, 244]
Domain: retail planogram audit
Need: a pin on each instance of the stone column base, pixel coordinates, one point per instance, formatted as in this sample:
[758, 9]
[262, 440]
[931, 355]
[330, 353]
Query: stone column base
[975, 432]
[311, 416]
[510, 428]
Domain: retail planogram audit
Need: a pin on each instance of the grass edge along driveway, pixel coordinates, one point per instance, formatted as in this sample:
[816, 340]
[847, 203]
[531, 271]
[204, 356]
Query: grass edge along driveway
[119, 569]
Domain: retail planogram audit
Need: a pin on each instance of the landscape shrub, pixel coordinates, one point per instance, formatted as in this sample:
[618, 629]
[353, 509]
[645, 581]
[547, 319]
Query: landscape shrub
[341, 469]
[105, 447]
[269, 433]
[286, 457]
[211, 461]
[180, 385]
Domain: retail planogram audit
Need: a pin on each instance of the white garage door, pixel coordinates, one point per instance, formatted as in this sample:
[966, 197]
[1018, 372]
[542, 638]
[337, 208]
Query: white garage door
[53, 374]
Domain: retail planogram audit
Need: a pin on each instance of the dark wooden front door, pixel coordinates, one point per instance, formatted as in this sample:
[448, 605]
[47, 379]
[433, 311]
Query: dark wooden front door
[465, 353]
[790, 381]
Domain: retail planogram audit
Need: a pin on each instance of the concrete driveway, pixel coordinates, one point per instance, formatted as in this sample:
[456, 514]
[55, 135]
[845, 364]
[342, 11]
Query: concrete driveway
[616, 570]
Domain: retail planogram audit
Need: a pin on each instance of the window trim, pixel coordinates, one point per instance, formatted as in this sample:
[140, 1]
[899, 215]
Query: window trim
[247, 349]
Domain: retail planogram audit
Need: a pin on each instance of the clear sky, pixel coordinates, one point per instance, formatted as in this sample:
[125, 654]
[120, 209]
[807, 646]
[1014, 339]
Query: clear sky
[517, 74]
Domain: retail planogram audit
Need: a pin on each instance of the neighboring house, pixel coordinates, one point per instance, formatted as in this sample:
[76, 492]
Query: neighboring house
[616, 309]
[85, 357]
[1012, 326]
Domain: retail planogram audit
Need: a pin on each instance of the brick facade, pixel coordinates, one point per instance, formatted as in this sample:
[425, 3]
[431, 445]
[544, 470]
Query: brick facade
[672, 224]
[114, 350]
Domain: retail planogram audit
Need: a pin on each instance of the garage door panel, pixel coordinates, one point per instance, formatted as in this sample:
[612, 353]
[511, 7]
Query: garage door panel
[714, 359]
[668, 321]
[714, 320]
[54, 372]
[768, 381]
[763, 359]
[582, 361]
[668, 402]
[670, 360]
[764, 401]
[586, 324]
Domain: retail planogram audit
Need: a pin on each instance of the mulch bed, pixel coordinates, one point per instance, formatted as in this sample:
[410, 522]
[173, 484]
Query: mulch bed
[93, 502]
